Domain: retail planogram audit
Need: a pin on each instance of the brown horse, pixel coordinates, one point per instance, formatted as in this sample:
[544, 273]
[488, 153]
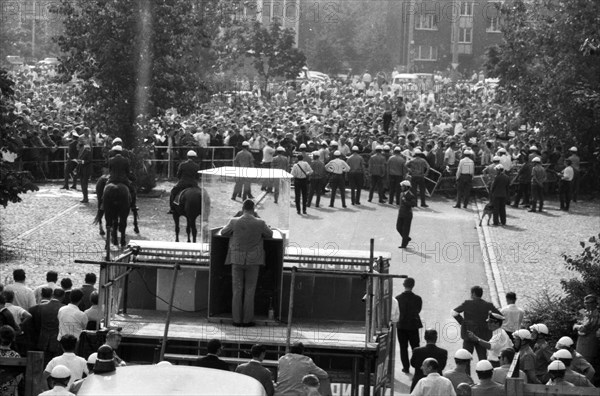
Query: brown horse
[115, 206]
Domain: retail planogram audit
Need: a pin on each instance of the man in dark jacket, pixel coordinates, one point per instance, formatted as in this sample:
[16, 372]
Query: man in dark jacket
[71, 165]
[409, 323]
[255, 369]
[499, 193]
[430, 350]
[407, 201]
[212, 360]
[119, 169]
[475, 313]
[84, 160]
[187, 173]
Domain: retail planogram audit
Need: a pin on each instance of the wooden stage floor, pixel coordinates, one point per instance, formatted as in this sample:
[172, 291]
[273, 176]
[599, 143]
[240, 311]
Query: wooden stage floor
[188, 326]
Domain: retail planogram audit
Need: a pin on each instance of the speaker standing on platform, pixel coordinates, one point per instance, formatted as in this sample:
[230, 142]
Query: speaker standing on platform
[245, 255]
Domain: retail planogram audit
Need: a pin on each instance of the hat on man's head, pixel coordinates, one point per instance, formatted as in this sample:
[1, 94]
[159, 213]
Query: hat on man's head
[573, 149]
[355, 148]
[280, 149]
[494, 317]
[92, 358]
[105, 362]
[60, 372]
[499, 167]
[463, 354]
[192, 153]
[117, 148]
[405, 183]
[562, 354]
[337, 153]
[117, 140]
[556, 365]
[540, 328]
[536, 159]
[564, 342]
[302, 146]
[533, 148]
[245, 144]
[522, 334]
[397, 149]
[315, 154]
[496, 159]
[484, 365]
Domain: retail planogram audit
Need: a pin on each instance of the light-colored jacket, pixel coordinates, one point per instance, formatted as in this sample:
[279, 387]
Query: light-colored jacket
[246, 242]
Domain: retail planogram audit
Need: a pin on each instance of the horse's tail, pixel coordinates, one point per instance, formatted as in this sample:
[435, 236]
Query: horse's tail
[98, 217]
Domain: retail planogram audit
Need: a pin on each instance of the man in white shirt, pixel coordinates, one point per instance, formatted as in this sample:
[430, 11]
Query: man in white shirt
[76, 364]
[19, 313]
[24, 296]
[513, 315]
[499, 341]
[70, 318]
[51, 279]
[433, 384]
[464, 178]
[202, 137]
[565, 185]
[449, 155]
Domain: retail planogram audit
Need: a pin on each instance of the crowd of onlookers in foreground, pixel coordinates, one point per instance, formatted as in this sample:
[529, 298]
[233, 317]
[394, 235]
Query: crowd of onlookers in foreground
[55, 318]
[503, 347]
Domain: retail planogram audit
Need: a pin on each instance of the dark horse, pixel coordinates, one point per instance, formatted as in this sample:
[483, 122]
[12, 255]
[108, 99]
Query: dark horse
[115, 206]
[191, 202]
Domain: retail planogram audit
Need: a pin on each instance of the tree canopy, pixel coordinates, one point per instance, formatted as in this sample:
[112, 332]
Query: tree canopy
[12, 182]
[543, 71]
[138, 57]
[272, 50]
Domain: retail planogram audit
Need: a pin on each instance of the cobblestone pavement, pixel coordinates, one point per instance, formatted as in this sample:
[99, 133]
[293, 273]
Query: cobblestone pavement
[528, 249]
[50, 229]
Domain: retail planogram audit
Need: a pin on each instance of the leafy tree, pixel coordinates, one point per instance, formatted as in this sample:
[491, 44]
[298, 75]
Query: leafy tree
[272, 50]
[138, 57]
[543, 71]
[560, 311]
[12, 182]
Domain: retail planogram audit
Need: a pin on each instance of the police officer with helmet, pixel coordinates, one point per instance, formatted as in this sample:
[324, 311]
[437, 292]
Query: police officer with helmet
[188, 176]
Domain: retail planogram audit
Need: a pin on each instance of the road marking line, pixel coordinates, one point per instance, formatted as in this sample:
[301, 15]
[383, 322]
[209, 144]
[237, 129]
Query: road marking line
[44, 223]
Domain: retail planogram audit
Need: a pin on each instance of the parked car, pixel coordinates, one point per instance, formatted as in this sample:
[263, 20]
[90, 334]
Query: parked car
[405, 82]
[170, 380]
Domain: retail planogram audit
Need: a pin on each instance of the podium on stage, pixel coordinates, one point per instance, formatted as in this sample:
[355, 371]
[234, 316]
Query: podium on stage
[268, 288]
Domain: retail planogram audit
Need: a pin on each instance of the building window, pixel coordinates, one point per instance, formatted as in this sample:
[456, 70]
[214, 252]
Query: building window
[465, 35]
[466, 8]
[427, 22]
[426, 53]
[493, 25]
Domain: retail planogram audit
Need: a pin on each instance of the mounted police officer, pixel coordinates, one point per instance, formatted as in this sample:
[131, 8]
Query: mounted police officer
[119, 171]
[188, 175]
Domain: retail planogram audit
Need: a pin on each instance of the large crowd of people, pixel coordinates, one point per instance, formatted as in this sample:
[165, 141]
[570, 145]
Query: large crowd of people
[433, 131]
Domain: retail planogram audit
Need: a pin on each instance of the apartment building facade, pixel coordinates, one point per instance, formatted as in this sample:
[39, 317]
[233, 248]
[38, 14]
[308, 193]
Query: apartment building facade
[446, 34]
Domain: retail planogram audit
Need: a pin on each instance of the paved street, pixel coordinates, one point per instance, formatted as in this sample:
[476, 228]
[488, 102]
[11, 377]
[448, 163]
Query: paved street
[444, 256]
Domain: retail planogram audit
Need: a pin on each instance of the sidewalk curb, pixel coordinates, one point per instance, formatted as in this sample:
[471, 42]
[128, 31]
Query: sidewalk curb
[490, 262]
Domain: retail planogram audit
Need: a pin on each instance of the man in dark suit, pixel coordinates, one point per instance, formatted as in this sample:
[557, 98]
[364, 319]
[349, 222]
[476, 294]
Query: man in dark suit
[245, 255]
[409, 323]
[475, 313]
[499, 194]
[212, 360]
[84, 168]
[188, 175]
[44, 317]
[430, 350]
[255, 369]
